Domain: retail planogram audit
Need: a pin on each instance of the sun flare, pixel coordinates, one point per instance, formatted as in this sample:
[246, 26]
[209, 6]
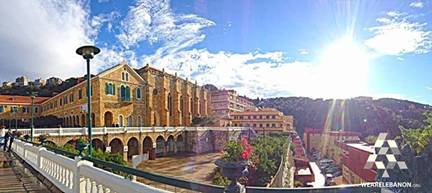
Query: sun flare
[343, 70]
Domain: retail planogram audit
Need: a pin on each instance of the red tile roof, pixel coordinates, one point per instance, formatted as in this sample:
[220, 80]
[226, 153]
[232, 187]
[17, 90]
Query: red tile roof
[13, 99]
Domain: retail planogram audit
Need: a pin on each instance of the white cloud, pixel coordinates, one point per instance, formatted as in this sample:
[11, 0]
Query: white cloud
[303, 51]
[39, 38]
[416, 4]
[397, 35]
[155, 22]
[104, 18]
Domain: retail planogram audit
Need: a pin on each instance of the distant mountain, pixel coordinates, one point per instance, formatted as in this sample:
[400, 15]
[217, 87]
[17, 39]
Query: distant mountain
[360, 114]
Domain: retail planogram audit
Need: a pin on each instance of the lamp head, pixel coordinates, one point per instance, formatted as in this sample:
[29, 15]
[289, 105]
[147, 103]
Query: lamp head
[88, 51]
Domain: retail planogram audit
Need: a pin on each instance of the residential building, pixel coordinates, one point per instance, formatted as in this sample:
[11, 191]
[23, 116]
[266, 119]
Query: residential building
[326, 142]
[123, 96]
[53, 81]
[7, 84]
[354, 159]
[18, 108]
[22, 81]
[225, 102]
[39, 83]
[263, 120]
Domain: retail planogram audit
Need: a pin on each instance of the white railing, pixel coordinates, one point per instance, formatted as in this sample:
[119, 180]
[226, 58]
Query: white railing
[75, 176]
[112, 130]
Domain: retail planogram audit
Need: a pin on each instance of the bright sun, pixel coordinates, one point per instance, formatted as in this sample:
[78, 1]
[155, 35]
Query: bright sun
[343, 70]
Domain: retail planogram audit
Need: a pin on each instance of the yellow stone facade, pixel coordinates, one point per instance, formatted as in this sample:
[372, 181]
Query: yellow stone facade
[123, 96]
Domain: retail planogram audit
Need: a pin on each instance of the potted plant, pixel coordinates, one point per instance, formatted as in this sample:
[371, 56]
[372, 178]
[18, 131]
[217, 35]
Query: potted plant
[234, 164]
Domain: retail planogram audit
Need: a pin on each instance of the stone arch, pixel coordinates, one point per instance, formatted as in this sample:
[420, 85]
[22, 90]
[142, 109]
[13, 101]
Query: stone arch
[147, 144]
[67, 122]
[170, 145]
[98, 144]
[50, 143]
[108, 119]
[73, 121]
[83, 120]
[77, 121]
[71, 142]
[160, 146]
[132, 147]
[116, 146]
[180, 144]
[93, 116]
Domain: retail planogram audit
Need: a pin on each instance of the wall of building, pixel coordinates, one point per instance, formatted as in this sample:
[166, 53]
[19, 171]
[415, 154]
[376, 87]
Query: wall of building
[263, 120]
[166, 100]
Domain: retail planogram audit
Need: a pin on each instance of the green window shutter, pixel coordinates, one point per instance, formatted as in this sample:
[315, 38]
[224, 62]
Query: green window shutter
[127, 93]
[107, 88]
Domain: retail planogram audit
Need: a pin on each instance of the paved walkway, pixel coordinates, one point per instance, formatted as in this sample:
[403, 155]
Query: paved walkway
[15, 178]
[319, 177]
[188, 167]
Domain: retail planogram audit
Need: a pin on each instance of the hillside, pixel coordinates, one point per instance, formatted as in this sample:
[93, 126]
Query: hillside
[44, 91]
[361, 114]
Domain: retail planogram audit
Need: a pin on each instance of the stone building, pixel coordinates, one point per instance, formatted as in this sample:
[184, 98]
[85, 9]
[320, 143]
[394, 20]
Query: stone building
[263, 120]
[123, 96]
[225, 102]
[327, 142]
[18, 108]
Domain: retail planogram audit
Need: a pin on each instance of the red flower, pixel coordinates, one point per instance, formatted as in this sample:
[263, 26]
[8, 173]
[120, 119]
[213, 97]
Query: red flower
[247, 149]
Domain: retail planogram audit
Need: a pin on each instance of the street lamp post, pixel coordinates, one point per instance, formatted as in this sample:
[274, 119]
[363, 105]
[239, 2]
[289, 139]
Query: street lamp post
[88, 52]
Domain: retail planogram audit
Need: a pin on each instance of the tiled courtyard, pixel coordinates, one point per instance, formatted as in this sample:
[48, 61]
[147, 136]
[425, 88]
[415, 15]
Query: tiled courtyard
[189, 167]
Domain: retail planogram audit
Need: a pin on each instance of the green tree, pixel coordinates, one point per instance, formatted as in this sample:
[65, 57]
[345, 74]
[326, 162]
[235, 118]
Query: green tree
[418, 138]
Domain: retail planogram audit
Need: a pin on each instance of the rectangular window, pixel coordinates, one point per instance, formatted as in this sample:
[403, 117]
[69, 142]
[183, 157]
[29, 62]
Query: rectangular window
[36, 109]
[14, 109]
[61, 102]
[80, 94]
[71, 98]
[1, 109]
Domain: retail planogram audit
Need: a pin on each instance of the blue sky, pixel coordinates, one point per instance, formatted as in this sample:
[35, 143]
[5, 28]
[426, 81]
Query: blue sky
[316, 48]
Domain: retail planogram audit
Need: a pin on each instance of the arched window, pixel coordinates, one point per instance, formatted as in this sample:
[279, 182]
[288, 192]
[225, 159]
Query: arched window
[120, 120]
[128, 94]
[139, 121]
[125, 93]
[191, 106]
[129, 121]
[138, 93]
[109, 88]
[181, 104]
[169, 100]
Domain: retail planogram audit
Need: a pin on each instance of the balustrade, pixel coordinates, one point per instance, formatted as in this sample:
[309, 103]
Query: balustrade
[73, 176]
